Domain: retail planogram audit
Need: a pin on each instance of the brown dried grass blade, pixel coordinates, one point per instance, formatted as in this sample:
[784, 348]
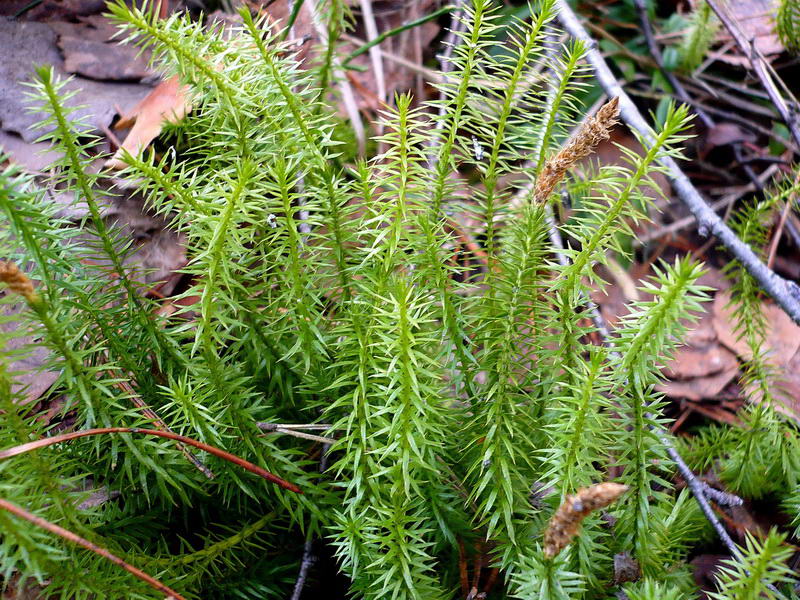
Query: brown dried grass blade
[232, 458]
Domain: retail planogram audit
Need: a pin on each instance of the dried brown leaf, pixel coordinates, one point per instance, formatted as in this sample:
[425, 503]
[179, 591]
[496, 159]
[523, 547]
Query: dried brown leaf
[782, 336]
[167, 103]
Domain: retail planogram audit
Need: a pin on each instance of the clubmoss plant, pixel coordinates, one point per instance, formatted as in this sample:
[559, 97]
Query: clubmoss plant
[460, 395]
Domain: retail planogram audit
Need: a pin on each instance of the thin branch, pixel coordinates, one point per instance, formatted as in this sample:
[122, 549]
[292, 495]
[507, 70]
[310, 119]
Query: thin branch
[308, 548]
[305, 436]
[680, 91]
[296, 430]
[720, 497]
[264, 426]
[375, 53]
[78, 540]
[701, 494]
[348, 97]
[655, 51]
[429, 74]
[719, 204]
[776, 238]
[306, 562]
[785, 293]
[451, 40]
[728, 116]
[232, 458]
[759, 66]
[387, 34]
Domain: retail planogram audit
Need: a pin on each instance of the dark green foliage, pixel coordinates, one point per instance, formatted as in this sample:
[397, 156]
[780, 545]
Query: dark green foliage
[464, 404]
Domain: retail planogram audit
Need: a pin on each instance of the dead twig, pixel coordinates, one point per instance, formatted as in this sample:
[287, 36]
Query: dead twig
[724, 202]
[84, 543]
[776, 237]
[680, 91]
[785, 293]
[296, 431]
[761, 69]
[306, 562]
[655, 51]
[348, 97]
[308, 548]
[375, 53]
[720, 497]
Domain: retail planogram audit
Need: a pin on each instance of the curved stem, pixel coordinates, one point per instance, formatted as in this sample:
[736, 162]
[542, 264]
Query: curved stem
[232, 458]
[78, 540]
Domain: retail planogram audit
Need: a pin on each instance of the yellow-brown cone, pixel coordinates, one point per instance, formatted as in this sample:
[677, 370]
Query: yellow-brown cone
[566, 523]
[593, 131]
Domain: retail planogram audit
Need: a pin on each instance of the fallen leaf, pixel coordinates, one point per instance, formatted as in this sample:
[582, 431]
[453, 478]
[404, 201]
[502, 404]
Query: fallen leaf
[756, 20]
[706, 567]
[784, 388]
[103, 61]
[691, 362]
[626, 568]
[18, 588]
[52, 9]
[722, 134]
[716, 412]
[167, 103]
[26, 45]
[782, 335]
[158, 251]
[782, 353]
[698, 388]
[702, 367]
[32, 156]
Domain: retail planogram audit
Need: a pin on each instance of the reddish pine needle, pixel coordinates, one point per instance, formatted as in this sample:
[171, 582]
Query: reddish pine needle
[78, 540]
[57, 439]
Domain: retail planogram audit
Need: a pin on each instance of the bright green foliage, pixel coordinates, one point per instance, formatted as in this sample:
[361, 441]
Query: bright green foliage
[463, 403]
[756, 574]
[647, 589]
[787, 24]
[699, 35]
[538, 578]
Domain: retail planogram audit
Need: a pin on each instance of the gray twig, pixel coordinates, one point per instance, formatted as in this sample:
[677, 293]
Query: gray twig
[720, 497]
[308, 548]
[655, 51]
[305, 564]
[451, 40]
[786, 293]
